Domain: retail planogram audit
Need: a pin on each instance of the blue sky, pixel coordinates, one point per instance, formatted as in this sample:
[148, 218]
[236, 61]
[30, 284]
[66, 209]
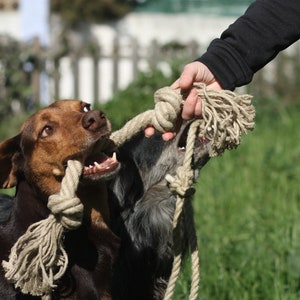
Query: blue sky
[35, 20]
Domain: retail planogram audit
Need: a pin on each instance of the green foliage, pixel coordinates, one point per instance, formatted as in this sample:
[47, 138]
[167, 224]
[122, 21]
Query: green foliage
[180, 6]
[138, 96]
[14, 81]
[247, 209]
[90, 10]
[10, 125]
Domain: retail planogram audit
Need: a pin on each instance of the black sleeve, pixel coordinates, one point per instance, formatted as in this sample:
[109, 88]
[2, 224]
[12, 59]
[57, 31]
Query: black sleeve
[254, 39]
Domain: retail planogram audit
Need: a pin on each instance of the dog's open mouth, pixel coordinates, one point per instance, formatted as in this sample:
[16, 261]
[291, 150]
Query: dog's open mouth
[101, 163]
[100, 166]
[200, 147]
[182, 141]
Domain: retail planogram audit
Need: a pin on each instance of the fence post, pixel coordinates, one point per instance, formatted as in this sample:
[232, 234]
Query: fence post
[193, 45]
[35, 75]
[135, 57]
[116, 58]
[154, 55]
[96, 77]
[56, 77]
[75, 67]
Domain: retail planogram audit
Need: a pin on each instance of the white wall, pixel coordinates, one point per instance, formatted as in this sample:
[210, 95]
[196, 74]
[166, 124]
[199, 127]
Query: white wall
[168, 27]
[10, 23]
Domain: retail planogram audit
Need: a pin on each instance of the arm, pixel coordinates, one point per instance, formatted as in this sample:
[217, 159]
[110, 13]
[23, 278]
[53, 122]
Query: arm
[266, 28]
[253, 40]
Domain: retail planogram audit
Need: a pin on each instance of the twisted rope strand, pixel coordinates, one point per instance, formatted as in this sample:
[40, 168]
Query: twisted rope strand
[181, 184]
[38, 259]
[177, 249]
[195, 260]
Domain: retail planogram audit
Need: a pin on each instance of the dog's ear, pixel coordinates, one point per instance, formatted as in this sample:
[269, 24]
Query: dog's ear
[9, 160]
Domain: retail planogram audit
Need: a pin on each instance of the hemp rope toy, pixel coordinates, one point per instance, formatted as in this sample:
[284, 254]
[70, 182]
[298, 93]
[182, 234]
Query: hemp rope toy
[225, 117]
[38, 258]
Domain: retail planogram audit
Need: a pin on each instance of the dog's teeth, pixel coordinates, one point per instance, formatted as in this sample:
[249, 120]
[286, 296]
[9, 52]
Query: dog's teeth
[97, 165]
[114, 156]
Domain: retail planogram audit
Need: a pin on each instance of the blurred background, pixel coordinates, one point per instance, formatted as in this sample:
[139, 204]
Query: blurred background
[90, 50]
[116, 54]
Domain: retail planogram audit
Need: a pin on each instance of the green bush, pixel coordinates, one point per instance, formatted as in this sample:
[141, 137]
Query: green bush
[138, 96]
[247, 212]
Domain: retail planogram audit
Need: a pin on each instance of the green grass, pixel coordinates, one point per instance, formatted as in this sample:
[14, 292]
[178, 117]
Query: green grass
[247, 213]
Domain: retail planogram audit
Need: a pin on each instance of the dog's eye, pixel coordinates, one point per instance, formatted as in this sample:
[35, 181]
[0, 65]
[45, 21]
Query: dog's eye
[87, 108]
[47, 130]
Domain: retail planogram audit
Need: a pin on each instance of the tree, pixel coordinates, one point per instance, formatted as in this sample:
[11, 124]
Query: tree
[91, 11]
[16, 65]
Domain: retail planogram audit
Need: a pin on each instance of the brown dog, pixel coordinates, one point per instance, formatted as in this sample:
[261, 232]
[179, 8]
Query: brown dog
[35, 161]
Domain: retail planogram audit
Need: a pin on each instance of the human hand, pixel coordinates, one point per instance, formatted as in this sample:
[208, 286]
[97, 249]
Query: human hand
[192, 108]
[194, 72]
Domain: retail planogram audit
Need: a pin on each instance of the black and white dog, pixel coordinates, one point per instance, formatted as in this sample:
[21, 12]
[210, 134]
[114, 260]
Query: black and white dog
[142, 212]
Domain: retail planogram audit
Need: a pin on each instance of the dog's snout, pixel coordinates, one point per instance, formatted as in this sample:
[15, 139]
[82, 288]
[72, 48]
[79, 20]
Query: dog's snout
[94, 120]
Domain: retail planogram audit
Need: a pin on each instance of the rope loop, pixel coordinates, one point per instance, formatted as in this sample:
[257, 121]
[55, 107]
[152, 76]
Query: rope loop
[225, 116]
[168, 105]
[66, 207]
[68, 211]
[181, 184]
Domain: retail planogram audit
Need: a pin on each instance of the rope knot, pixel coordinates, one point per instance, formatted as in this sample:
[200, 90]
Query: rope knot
[66, 207]
[67, 210]
[181, 183]
[167, 107]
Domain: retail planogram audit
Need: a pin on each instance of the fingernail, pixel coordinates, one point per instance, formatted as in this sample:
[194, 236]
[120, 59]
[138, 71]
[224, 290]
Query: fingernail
[168, 136]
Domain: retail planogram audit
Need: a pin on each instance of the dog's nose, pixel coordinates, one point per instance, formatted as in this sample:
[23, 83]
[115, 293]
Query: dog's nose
[94, 120]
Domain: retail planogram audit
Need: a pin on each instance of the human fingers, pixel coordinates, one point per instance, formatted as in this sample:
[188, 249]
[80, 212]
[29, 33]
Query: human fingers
[192, 107]
[215, 86]
[188, 76]
[167, 136]
[191, 104]
[149, 131]
[175, 85]
[198, 108]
